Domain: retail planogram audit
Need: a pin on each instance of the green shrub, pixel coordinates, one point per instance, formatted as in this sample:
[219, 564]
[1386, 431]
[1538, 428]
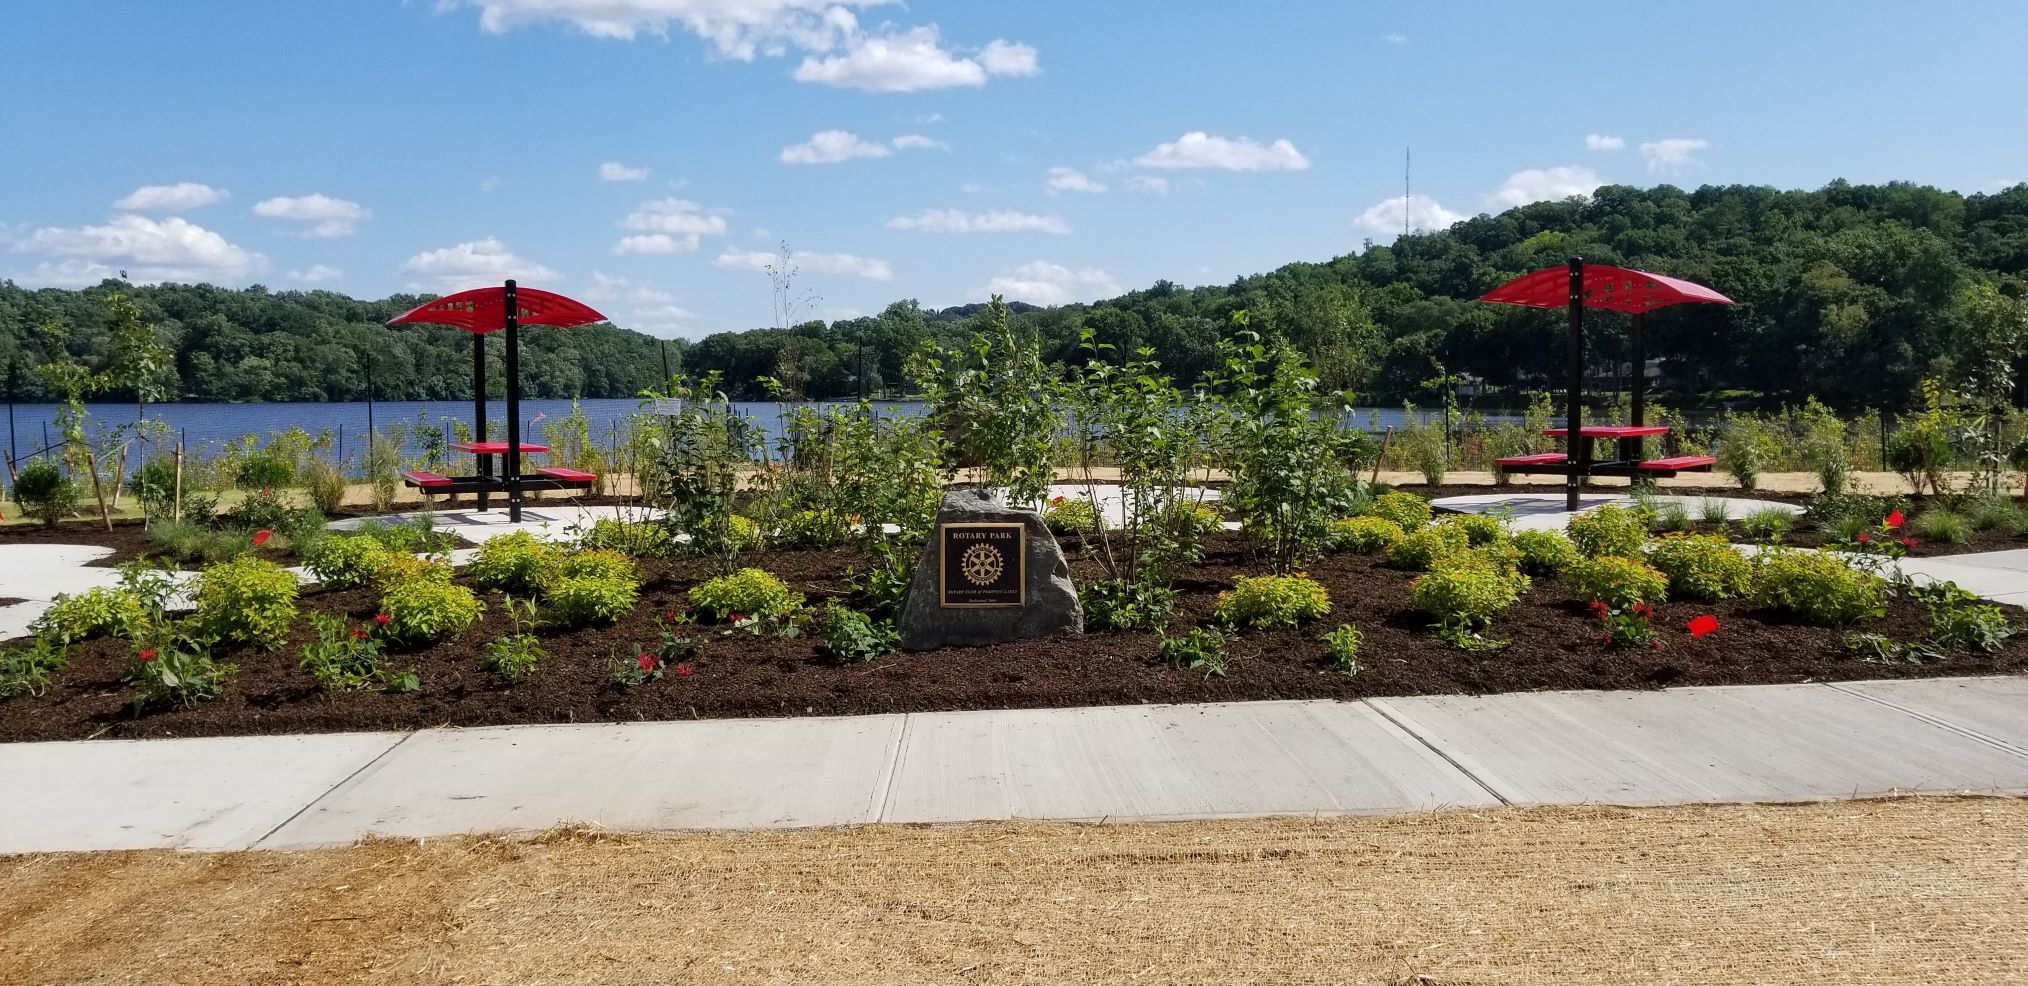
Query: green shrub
[1767, 524]
[1713, 510]
[1341, 649]
[1941, 526]
[187, 540]
[581, 600]
[1609, 530]
[1818, 587]
[174, 666]
[1958, 618]
[1995, 513]
[850, 635]
[422, 604]
[342, 561]
[1418, 551]
[1670, 515]
[1117, 604]
[1464, 593]
[1618, 582]
[45, 493]
[154, 487]
[1920, 453]
[1480, 529]
[264, 471]
[1269, 602]
[246, 600]
[1702, 566]
[1201, 649]
[96, 612]
[519, 564]
[1544, 552]
[325, 483]
[597, 564]
[1071, 515]
[29, 670]
[811, 529]
[344, 657]
[1406, 510]
[1189, 521]
[636, 538]
[747, 592]
[512, 657]
[1363, 535]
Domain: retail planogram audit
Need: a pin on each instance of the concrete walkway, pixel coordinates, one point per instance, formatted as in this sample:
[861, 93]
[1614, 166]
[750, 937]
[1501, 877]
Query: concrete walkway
[1766, 743]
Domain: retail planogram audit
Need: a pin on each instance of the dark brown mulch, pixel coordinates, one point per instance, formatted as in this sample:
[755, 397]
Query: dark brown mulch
[1554, 645]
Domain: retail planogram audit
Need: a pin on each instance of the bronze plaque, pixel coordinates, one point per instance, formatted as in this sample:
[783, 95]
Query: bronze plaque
[980, 565]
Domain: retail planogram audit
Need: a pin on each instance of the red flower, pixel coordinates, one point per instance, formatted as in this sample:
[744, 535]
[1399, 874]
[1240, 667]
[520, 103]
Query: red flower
[261, 537]
[359, 633]
[647, 662]
[1658, 645]
[1908, 542]
[1865, 539]
[147, 655]
[382, 618]
[1644, 610]
[738, 617]
[1893, 520]
[1054, 500]
[1598, 607]
[669, 614]
[1703, 626]
[684, 670]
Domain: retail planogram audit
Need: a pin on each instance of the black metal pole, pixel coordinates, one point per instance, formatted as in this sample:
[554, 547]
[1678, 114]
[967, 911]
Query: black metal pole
[665, 362]
[13, 378]
[479, 411]
[1635, 448]
[1574, 444]
[511, 467]
[369, 402]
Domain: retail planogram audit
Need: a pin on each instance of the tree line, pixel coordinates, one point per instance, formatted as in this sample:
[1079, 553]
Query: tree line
[1851, 293]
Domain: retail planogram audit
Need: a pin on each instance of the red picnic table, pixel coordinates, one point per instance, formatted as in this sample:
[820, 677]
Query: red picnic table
[1628, 463]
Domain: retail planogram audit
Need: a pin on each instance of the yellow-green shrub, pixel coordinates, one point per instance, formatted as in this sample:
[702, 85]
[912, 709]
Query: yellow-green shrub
[1464, 592]
[1545, 552]
[1363, 535]
[1272, 601]
[343, 561]
[1618, 582]
[747, 592]
[1405, 509]
[1702, 566]
[1418, 551]
[518, 564]
[1818, 587]
[1609, 530]
[246, 600]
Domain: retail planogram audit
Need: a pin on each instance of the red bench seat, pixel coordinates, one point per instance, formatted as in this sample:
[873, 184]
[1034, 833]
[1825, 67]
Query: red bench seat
[566, 475]
[1539, 459]
[425, 479]
[1681, 462]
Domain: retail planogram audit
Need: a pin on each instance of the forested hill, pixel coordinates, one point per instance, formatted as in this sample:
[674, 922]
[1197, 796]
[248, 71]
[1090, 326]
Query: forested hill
[1853, 293]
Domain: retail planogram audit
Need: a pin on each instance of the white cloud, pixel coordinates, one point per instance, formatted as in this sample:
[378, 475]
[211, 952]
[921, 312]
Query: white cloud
[1673, 154]
[1072, 180]
[1198, 149]
[1423, 213]
[928, 118]
[1545, 185]
[677, 225]
[475, 264]
[1395, 39]
[911, 61]
[315, 274]
[1009, 59]
[172, 249]
[1152, 184]
[996, 221]
[918, 141]
[831, 147]
[1604, 142]
[333, 217]
[1043, 283]
[816, 263]
[171, 198]
[615, 171]
[490, 183]
[641, 307]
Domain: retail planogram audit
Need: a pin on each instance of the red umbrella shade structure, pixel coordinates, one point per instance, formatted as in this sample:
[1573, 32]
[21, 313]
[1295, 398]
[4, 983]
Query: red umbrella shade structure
[485, 310]
[1578, 286]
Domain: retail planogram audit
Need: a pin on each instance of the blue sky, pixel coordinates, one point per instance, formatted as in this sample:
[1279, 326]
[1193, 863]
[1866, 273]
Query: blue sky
[648, 155]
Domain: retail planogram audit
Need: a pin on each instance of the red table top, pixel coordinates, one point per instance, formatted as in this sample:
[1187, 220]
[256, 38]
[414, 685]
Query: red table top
[1613, 431]
[500, 448]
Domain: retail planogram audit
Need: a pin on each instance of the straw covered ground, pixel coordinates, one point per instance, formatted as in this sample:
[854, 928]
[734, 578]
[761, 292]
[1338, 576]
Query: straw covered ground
[1930, 890]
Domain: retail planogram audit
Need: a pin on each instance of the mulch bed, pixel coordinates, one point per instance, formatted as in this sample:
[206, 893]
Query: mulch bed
[1554, 645]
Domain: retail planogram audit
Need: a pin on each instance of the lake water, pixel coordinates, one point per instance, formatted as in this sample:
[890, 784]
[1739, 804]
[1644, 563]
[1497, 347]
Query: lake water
[203, 427]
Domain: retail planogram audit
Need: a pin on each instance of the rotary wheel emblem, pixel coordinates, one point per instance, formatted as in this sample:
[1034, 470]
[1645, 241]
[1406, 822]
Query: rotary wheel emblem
[982, 564]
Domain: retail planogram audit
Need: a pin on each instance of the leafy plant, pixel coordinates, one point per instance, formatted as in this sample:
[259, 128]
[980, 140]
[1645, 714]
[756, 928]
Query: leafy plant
[1958, 618]
[881, 590]
[1627, 626]
[343, 561]
[422, 604]
[1341, 649]
[1878, 648]
[1767, 525]
[1941, 526]
[1544, 552]
[1609, 530]
[996, 403]
[95, 612]
[748, 592]
[1994, 513]
[1067, 516]
[1365, 535]
[513, 657]
[45, 493]
[325, 483]
[850, 635]
[640, 669]
[345, 656]
[1817, 587]
[1200, 649]
[1271, 602]
[1921, 453]
[1702, 566]
[1618, 582]
[174, 666]
[1670, 515]
[246, 600]
[1824, 446]
[1746, 448]
[29, 669]
[1420, 550]
[581, 600]
[1406, 510]
[1465, 593]
[1115, 604]
[1480, 529]
[1713, 510]
[519, 563]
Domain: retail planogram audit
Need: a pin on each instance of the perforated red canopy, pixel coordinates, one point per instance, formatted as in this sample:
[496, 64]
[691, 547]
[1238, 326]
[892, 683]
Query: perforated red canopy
[1617, 289]
[483, 310]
